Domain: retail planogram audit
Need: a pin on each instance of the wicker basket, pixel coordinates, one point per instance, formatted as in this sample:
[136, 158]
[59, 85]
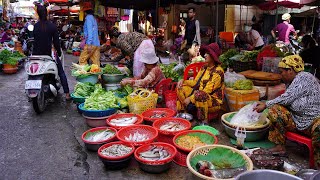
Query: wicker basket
[239, 66]
[204, 151]
[142, 100]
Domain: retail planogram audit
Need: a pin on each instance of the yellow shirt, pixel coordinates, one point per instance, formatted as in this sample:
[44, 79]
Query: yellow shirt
[211, 81]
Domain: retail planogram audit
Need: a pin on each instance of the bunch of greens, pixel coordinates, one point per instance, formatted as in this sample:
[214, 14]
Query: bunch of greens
[123, 102]
[221, 158]
[82, 71]
[101, 99]
[225, 58]
[7, 57]
[249, 56]
[124, 91]
[110, 69]
[170, 73]
[243, 84]
[83, 89]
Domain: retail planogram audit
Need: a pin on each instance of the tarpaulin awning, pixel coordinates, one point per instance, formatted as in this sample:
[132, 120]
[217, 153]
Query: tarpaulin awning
[272, 5]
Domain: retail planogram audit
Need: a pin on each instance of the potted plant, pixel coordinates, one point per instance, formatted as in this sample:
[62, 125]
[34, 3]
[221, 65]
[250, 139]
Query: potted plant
[9, 61]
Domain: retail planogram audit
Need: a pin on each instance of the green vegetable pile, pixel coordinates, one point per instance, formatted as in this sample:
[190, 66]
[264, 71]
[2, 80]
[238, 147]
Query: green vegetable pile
[169, 73]
[82, 71]
[225, 58]
[83, 89]
[7, 57]
[110, 69]
[250, 56]
[243, 84]
[101, 99]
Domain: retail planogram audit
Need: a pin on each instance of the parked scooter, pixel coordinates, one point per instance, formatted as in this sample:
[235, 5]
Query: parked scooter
[43, 81]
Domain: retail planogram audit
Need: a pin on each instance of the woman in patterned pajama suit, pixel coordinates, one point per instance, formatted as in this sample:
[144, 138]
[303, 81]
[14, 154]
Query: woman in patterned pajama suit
[298, 109]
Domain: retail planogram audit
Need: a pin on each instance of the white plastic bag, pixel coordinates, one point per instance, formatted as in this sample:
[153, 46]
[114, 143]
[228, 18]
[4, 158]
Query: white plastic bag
[231, 77]
[247, 116]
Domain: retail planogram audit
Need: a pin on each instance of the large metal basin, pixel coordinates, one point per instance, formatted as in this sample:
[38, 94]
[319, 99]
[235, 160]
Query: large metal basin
[113, 78]
[266, 175]
[252, 136]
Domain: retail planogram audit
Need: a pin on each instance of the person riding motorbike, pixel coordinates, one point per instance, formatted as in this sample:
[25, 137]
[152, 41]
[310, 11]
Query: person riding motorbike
[46, 33]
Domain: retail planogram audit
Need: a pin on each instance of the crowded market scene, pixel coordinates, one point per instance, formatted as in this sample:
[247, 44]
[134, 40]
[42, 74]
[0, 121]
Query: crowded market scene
[160, 89]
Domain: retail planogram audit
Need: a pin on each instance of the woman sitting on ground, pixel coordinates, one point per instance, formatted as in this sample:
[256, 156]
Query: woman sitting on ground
[151, 75]
[298, 109]
[203, 94]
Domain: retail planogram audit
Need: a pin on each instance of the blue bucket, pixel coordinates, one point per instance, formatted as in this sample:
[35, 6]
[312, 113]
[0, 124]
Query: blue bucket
[97, 113]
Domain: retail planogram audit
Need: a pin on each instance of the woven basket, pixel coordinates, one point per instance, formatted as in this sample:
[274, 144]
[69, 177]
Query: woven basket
[151, 132]
[204, 151]
[239, 66]
[142, 100]
[160, 122]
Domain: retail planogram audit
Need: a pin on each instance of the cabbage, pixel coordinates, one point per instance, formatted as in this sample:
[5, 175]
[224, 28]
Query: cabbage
[243, 84]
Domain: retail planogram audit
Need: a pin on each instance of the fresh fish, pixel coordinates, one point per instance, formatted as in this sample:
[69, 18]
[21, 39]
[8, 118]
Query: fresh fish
[155, 154]
[123, 121]
[158, 115]
[172, 126]
[100, 136]
[136, 137]
[116, 150]
[208, 169]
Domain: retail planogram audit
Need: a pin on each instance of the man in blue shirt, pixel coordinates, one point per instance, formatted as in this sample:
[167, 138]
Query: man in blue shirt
[92, 46]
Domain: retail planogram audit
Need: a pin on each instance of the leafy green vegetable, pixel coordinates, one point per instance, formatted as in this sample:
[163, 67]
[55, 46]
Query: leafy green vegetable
[123, 102]
[83, 89]
[169, 73]
[7, 57]
[243, 84]
[101, 99]
[250, 56]
[225, 58]
[128, 89]
[221, 158]
[110, 69]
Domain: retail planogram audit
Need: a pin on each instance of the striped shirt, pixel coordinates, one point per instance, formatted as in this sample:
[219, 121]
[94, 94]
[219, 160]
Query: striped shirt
[302, 98]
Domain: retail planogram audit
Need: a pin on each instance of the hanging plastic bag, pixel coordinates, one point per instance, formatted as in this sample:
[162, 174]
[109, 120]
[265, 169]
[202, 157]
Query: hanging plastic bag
[247, 116]
[231, 77]
[179, 67]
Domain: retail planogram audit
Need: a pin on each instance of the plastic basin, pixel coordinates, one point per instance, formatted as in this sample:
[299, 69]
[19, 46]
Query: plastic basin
[96, 113]
[93, 79]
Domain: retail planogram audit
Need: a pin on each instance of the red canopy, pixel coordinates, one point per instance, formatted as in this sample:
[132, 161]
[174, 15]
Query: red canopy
[58, 1]
[272, 5]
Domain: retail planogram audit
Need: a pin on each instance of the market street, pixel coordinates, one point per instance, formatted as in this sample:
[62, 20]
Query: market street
[49, 146]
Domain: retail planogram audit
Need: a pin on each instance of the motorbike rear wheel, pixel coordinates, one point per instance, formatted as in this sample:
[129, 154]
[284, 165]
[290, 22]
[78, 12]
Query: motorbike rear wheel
[39, 102]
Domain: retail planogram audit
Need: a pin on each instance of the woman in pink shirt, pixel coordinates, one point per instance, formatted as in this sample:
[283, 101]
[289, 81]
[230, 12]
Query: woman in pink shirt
[284, 29]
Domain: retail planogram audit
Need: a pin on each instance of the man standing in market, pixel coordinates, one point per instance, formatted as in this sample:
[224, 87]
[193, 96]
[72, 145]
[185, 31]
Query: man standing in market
[192, 31]
[92, 43]
[284, 29]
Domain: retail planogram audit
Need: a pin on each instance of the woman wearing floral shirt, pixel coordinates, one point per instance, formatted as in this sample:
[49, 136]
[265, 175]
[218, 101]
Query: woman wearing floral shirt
[298, 109]
[151, 74]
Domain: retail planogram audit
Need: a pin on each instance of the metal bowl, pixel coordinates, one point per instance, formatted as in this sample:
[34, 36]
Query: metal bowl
[116, 165]
[251, 135]
[266, 175]
[113, 78]
[156, 169]
[112, 87]
[186, 116]
[306, 173]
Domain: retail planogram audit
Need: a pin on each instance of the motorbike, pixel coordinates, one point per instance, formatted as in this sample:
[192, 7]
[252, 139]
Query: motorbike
[43, 82]
[294, 47]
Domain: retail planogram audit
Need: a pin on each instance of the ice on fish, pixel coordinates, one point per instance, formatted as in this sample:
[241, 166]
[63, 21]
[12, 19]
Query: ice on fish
[100, 136]
[123, 121]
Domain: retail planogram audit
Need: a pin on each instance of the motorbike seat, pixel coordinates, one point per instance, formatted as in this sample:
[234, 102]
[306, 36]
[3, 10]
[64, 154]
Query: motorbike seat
[41, 57]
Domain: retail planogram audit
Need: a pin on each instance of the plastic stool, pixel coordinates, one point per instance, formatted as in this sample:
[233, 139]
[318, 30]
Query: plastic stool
[303, 140]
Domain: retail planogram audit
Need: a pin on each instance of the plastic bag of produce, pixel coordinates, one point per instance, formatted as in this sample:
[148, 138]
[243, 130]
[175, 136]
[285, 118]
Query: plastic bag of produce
[231, 77]
[247, 116]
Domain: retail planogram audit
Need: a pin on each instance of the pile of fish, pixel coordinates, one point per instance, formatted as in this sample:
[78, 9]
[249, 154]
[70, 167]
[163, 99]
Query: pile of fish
[156, 153]
[158, 115]
[99, 135]
[208, 169]
[116, 150]
[123, 121]
[172, 126]
[137, 137]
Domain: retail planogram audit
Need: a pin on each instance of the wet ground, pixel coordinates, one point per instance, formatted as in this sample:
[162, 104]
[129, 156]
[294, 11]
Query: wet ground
[49, 146]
